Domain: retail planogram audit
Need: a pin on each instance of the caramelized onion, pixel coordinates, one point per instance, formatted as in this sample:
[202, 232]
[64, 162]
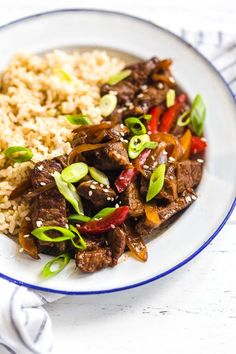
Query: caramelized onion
[169, 139]
[83, 148]
[151, 212]
[137, 246]
[40, 190]
[163, 78]
[20, 189]
[28, 243]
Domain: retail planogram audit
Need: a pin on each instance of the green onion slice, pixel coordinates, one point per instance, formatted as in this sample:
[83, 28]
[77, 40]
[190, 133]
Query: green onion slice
[59, 262]
[78, 218]
[138, 143]
[63, 75]
[156, 182]
[147, 117]
[82, 245]
[78, 119]
[99, 176]
[18, 153]
[114, 79]
[40, 234]
[198, 115]
[135, 126]
[182, 122]
[74, 172]
[102, 213]
[170, 98]
[69, 193]
[107, 104]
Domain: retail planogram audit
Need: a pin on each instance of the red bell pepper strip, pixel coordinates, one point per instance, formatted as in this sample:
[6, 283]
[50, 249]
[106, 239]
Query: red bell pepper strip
[170, 116]
[156, 112]
[197, 145]
[127, 176]
[105, 224]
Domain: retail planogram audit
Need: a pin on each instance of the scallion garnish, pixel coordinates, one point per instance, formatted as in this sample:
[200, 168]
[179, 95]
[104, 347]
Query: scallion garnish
[156, 182]
[170, 98]
[18, 153]
[40, 234]
[99, 176]
[198, 115]
[181, 122]
[78, 218]
[59, 262]
[114, 79]
[69, 193]
[147, 117]
[102, 213]
[75, 172]
[82, 245]
[63, 75]
[107, 104]
[138, 143]
[135, 126]
[78, 119]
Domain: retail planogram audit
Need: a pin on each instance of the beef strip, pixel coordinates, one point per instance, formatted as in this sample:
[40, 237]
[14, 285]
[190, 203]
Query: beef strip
[100, 196]
[145, 227]
[189, 174]
[112, 157]
[94, 260]
[132, 198]
[49, 208]
[117, 242]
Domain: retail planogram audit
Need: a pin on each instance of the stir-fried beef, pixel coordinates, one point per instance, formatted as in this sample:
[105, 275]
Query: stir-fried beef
[117, 242]
[92, 261]
[99, 195]
[189, 174]
[112, 157]
[132, 198]
[49, 207]
[145, 227]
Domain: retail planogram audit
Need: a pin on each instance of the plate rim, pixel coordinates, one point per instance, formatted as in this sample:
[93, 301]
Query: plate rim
[222, 223]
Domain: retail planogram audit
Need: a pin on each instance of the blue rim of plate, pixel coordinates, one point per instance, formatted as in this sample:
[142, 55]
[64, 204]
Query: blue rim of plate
[219, 228]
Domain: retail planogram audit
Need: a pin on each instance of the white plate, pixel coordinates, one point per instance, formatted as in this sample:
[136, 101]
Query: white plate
[204, 219]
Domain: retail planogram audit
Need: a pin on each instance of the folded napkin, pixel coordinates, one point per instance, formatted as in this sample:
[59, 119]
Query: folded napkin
[25, 326]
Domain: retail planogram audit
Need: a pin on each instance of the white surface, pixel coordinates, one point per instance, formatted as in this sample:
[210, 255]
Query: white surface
[200, 299]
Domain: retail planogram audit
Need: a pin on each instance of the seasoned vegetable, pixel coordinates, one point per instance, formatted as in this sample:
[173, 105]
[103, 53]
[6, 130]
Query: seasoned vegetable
[102, 213]
[170, 116]
[151, 212]
[69, 193]
[40, 234]
[18, 153]
[63, 75]
[185, 142]
[183, 120]
[107, 104]
[78, 218]
[114, 79]
[156, 112]
[170, 98]
[125, 178]
[107, 223]
[198, 115]
[59, 263]
[82, 244]
[138, 143]
[197, 145]
[156, 182]
[74, 172]
[137, 246]
[136, 127]
[78, 119]
[99, 176]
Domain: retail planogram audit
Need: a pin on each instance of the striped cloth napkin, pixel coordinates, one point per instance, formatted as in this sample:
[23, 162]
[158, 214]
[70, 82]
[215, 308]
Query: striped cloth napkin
[24, 323]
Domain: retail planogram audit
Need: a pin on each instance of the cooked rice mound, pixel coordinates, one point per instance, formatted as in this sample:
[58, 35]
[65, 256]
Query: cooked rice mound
[36, 93]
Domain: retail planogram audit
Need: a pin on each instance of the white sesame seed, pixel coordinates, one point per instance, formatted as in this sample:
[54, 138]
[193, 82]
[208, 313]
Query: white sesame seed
[112, 199]
[200, 160]
[203, 139]
[145, 166]
[164, 152]
[67, 226]
[40, 168]
[108, 198]
[121, 177]
[117, 205]
[143, 87]
[27, 218]
[171, 159]
[122, 134]
[21, 250]
[92, 186]
[90, 193]
[106, 190]
[111, 92]
[152, 157]
[122, 125]
[113, 226]
[125, 141]
[39, 223]
[101, 185]
[172, 79]
[27, 235]
[140, 95]
[160, 85]
[149, 133]
[95, 182]
[188, 199]
[171, 177]
[42, 183]
[194, 197]
[119, 202]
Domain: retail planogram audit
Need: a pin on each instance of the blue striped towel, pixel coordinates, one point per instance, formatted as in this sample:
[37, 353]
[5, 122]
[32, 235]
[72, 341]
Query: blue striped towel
[25, 325]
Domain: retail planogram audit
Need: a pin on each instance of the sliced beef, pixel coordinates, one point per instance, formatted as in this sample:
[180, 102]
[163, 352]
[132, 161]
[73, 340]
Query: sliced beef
[112, 157]
[117, 242]
[125, 91]
[132, 198]
[49, 208]
[100, 196]
[189, 174]
[96, 259]
[144, 227]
